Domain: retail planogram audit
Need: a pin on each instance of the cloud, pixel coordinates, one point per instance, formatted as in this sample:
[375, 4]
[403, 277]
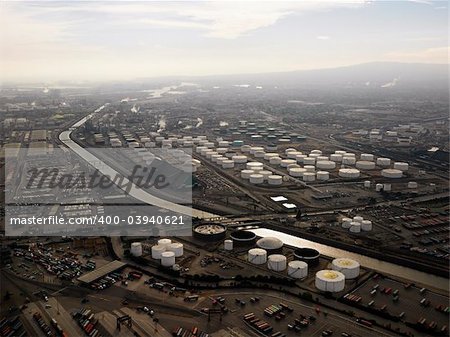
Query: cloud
[322, 37]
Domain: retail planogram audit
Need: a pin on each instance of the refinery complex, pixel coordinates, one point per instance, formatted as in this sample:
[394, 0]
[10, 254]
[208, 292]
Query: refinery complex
[216, 169]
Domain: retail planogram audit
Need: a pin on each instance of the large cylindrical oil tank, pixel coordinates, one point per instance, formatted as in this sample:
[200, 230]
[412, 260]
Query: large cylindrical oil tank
[245, 174]
[287, 162]
[392, 173]
[308, 255]
[167, 259]
[228, 245]
[349, 173]
[253, 165]
[239, 159]
[256, 178]
[365, 165]
[366, 156]
[276, 262]
[401, 166]
[336, 157]
[136, 249]
[257, 256]
[309, 176]
[297, 269]
[270, 244]
[384, 162]
[275, 180]
[243, 238]
[164, 242]
[355, 227]
[350, 268]
[325, 164]
[323, 175]
[157, 250]
[330, 280]
[309, 161]
[348, 160]
[210, 231]
[275, 160]
[297, 172]
[366, 225]
[177, 248]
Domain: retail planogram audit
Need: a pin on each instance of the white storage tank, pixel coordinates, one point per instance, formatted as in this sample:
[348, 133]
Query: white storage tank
[257, 256]
[325, 164]
[392, 173]
[309, 176]
[297, 172]
[265, 174]
[256, 178]
[275, 179]
[367, 183]
[300, 157]
[366, 225]
[383, 162]
[239, 159]
[316, 152]
[346, 223]
[221, 150]
[314, 155]
[294, 154]
[297, 269]
[228, 164]
[341, 152]
[349, 173]
[157, 250]
[310, 168]
[322, 158]
[253, 164]
[177, 248]
[387, 187]
[215, 157]
[255, 149]
[164, 242]
[245, 174]
[355, 227]
[336, 157]
[309, 161]
[366, 156]
[269, 155]
[228, 245]
[348, 160]
[287, 151]
[136, 249]
[358, 219]
[275, 160]
[378, 187]
[412, 184]
[277, 262]
[350, 268]
[287, 162]
[330, 280]
[259, 154]
[365, 165]
[245, 148]
[401, 166]
[167, 259]
[323, 175]
[290, 166]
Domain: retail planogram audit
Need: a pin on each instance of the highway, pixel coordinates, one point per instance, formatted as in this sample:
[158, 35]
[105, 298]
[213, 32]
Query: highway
[134, 191]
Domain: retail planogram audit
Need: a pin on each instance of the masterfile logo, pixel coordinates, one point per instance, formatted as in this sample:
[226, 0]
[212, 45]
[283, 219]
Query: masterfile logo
[116, 191]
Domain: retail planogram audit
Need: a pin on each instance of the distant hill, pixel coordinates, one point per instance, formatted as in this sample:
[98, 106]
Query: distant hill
[374, 75]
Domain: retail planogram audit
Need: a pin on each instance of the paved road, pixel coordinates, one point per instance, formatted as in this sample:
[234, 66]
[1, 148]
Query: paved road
[134, 191]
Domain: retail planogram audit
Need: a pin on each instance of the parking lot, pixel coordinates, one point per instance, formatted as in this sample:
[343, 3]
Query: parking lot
[405, 301]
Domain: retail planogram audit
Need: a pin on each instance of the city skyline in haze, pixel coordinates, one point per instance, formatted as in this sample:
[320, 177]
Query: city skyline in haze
[115, 40]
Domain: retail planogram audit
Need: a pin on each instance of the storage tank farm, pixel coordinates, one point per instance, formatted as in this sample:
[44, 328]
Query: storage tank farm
[259, 157]
[167, 251]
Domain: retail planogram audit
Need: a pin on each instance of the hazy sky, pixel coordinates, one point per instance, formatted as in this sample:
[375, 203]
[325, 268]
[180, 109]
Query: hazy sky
[71, 40]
